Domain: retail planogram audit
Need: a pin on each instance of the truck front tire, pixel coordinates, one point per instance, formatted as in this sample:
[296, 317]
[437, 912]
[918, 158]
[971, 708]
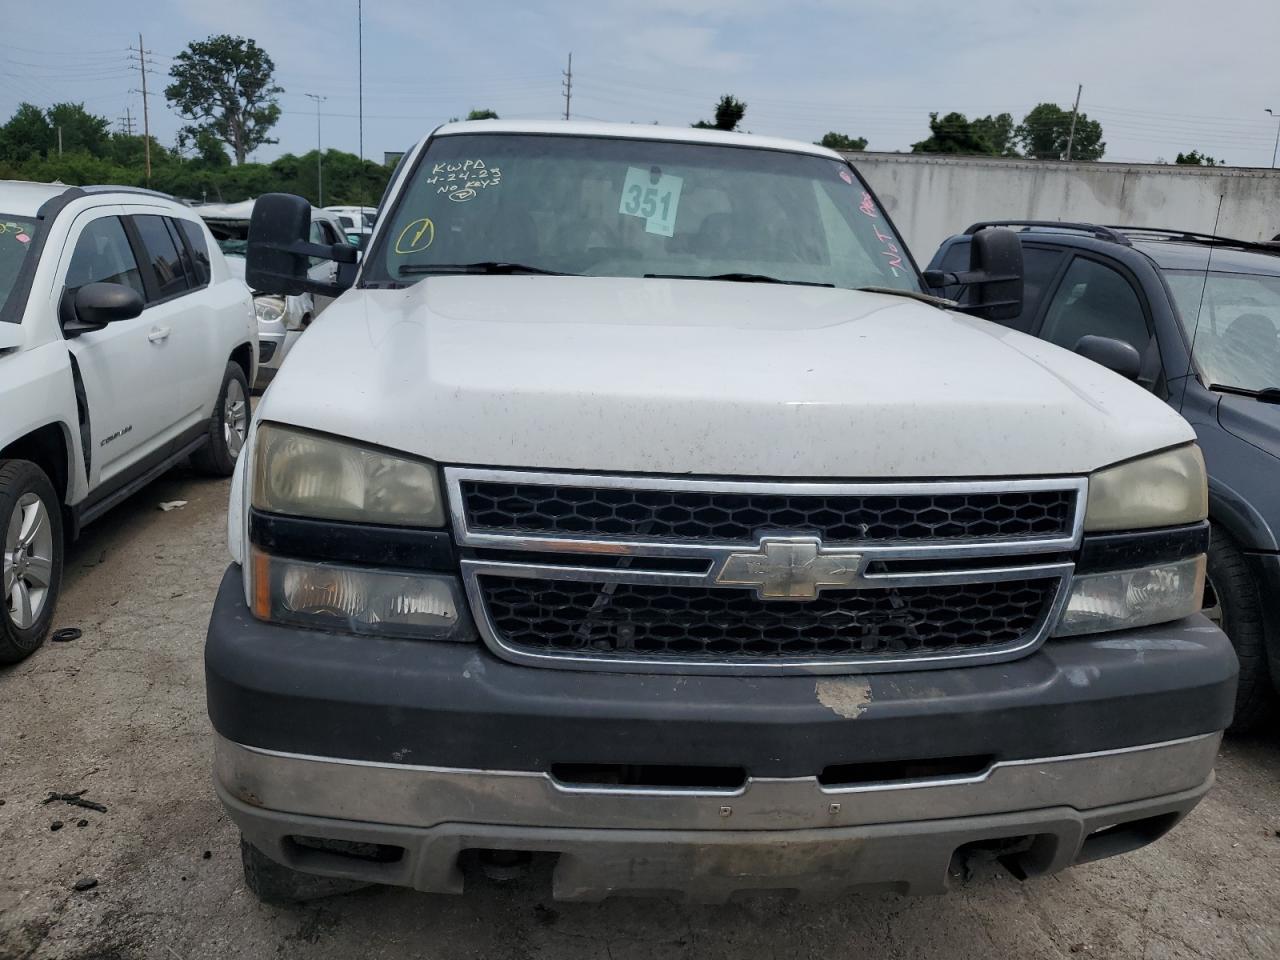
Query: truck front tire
[228, 427]
[31, 524]
[283, 886]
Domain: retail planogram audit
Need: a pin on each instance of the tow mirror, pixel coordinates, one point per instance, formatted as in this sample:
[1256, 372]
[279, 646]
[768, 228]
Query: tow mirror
[1116, 355]
[97, 304]
[995, 273]
[279, 245]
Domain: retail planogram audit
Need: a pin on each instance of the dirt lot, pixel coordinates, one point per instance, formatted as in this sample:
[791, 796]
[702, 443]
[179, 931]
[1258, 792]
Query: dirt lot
[120, 714]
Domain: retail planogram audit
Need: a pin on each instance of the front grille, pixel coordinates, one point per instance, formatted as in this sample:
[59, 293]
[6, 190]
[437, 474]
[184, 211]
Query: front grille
[550, 509]
[717, 576]
[642, 621]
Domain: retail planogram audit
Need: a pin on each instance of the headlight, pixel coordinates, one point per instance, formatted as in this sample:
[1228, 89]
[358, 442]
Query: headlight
[1125, 599]
[329, 596]
[1163, 490]
[268, 309]
[311, 475]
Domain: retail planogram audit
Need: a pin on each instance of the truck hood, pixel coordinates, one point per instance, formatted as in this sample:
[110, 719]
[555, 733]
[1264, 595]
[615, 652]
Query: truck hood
[705, 377]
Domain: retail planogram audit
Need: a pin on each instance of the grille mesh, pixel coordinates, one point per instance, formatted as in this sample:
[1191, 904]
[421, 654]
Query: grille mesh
[633, 621]
[715, 516]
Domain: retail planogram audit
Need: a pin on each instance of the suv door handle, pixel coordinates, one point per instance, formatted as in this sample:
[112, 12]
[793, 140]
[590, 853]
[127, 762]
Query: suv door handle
[159, 334]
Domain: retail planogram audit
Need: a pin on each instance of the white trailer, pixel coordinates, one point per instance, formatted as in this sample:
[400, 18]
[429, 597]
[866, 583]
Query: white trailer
[931, 197]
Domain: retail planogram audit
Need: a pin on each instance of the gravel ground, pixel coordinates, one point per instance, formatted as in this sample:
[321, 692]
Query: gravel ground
[120, 714]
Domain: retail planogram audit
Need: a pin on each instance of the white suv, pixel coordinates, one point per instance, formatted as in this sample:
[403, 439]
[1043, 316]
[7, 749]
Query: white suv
[126, 345]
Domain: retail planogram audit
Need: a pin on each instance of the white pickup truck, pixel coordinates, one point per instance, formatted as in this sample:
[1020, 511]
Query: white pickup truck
[634, 505]
[126, 346]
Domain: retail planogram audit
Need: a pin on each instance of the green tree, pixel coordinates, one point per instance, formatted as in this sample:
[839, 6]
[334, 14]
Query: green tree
[224, 85]
[1044, 133]
[998, 133]
[729, 113]
[842, 141]
[81, 130]
[27, 134]
[952, 134]
[1195, 158]
[482, 115]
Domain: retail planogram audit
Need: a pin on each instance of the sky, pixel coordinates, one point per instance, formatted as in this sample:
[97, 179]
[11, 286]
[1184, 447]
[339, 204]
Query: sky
[1162, 76]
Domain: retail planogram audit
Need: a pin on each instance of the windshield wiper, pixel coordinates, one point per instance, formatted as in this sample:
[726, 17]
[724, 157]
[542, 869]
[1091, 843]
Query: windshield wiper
[913, 295]
[1266, 394]
[483, 266]
[735, 277]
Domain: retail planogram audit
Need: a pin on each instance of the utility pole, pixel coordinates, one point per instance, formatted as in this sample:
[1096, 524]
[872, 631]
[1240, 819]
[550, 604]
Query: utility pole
[59, 139]
[146, 110]
[1075, 111]
[126, 123]
[567, 84]
[319, 168]
[1276, 149]
[360, 70]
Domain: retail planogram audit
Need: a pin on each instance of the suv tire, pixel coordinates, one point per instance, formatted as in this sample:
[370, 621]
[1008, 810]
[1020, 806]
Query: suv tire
[228, 427]
[277, 884]
[31, 525]
[1238, 610]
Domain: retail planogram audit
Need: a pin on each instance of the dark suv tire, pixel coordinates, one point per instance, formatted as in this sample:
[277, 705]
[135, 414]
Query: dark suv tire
[1232, 600]
[228, 427]
[31, 527]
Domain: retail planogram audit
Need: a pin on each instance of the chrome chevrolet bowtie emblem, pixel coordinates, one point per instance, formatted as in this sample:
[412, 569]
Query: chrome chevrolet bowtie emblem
[791, 568]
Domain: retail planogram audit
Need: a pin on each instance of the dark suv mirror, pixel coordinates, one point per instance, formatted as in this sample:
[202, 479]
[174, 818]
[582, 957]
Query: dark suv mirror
[1116, 355]
[995, 273]
[97, 304]
[276, 258]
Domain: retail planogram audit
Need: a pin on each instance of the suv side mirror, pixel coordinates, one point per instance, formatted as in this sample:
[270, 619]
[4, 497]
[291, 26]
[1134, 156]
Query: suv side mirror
[97, 304]
[276, 258]
[1116, 355]
[995, 271]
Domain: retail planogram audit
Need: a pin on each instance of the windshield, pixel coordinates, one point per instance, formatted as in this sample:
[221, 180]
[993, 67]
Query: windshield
[1237, 343]
[15, 244]
[635, 208]
[232, 236]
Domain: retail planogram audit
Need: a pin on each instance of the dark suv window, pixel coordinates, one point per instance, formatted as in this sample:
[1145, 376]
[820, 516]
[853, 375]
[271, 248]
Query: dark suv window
[103, 255]
[1095, 300]
[162, 253]
[199, 249]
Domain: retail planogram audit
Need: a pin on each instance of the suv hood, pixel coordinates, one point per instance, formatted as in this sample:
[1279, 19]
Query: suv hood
[705, 377]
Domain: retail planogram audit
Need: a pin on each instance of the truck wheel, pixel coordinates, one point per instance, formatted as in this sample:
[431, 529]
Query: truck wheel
[1231, 601]
[277, 884]
[31, 524]
[228, 427]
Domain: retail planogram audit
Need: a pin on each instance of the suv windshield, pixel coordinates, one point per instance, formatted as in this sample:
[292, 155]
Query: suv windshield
[1237, 343]
[635, 208]
[15, 244]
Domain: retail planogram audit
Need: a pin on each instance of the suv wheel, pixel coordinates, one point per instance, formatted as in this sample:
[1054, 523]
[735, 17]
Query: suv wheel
[31, 524]
[228, 427]
[277, 884]
[1231, 601]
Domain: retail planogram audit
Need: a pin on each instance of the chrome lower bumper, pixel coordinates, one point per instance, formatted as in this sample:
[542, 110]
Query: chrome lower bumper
[769, 834]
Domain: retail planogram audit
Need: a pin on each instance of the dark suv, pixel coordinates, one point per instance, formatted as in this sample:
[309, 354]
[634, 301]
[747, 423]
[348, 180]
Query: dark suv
[1146, 287]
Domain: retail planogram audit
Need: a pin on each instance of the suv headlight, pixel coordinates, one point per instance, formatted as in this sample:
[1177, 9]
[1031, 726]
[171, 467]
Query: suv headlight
[268, 309]
[1167, 489]
[306, 474]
